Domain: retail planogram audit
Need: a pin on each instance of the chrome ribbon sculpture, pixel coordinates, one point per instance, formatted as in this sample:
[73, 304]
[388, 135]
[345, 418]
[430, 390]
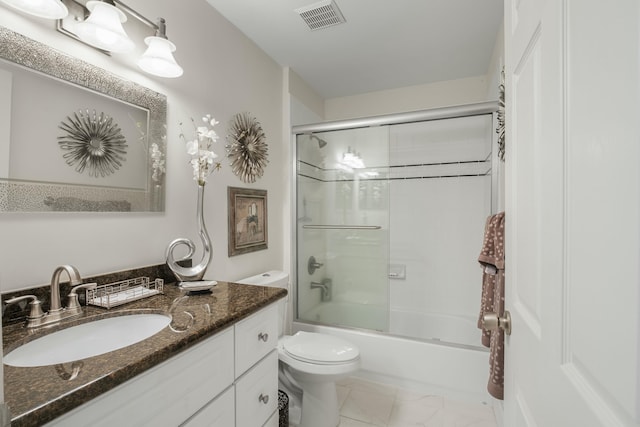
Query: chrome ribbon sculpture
[196, 272]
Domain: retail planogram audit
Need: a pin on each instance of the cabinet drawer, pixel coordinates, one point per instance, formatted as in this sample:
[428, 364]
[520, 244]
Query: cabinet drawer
[257, 393]
[256, 336]
[218, 413]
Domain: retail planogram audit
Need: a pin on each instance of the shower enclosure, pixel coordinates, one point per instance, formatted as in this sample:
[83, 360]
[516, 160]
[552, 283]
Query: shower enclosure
[390, 218]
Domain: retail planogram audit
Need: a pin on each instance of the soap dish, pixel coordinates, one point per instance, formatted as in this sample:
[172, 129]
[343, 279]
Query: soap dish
[198, 285]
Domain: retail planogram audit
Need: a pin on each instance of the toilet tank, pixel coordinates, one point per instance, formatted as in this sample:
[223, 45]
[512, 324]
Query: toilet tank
[276, 279]
[273, 278]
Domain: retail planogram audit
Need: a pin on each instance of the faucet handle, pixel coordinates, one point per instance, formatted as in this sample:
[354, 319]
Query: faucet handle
[313, 265]
[73, 304]
[36, 306]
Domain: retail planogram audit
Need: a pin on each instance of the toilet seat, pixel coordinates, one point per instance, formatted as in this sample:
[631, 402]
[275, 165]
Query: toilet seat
[321, 349]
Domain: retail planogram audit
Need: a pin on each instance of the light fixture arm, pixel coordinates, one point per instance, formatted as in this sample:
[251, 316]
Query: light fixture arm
[132, 12]
[161, 30]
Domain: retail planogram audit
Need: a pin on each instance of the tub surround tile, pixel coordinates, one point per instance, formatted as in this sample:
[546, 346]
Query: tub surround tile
[40, 394]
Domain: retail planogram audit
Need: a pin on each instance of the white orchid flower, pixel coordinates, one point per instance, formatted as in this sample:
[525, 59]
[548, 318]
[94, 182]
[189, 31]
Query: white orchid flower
[208, 154]
[211, 121]
[192, 147]
[202, 157]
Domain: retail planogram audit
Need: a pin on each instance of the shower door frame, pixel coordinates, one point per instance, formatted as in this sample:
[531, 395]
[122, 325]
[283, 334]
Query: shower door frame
[465, 110]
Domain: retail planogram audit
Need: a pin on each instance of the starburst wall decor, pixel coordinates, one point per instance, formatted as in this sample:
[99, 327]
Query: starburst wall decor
[247, 149]
[93, 142]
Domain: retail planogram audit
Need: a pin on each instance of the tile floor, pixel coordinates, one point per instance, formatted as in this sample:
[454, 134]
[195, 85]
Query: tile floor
[365, 404]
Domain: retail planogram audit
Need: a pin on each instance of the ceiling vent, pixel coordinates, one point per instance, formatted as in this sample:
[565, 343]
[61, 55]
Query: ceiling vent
[322, 14]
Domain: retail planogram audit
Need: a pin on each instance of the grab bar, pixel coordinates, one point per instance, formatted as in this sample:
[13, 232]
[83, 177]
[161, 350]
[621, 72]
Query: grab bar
[343, 227]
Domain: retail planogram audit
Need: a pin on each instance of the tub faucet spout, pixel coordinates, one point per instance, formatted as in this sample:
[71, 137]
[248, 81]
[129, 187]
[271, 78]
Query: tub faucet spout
[325, 289]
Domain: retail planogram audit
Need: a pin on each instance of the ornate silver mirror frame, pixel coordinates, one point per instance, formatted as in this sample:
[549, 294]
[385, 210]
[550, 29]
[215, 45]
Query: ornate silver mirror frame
[37, 195]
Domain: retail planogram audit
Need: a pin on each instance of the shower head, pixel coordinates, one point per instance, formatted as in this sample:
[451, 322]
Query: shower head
[321, 142]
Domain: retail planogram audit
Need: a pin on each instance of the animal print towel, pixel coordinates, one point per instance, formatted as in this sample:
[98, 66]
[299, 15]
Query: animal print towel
[492, 261]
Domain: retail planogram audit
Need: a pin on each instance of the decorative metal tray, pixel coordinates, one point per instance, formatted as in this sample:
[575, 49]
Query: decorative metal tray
[118, 293]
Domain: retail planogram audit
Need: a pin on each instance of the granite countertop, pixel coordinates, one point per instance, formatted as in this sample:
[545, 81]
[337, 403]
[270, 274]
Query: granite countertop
[40, 394]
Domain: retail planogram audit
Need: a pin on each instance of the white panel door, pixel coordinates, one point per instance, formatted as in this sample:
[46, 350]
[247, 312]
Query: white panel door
[573, 217]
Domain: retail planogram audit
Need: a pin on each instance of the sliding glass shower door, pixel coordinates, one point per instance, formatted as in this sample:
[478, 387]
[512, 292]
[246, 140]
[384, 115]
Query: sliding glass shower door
[390, 219]
[343, 227]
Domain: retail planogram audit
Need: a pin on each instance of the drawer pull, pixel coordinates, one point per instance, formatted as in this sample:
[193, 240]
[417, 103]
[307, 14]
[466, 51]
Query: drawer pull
[264, 398]
[263, 336]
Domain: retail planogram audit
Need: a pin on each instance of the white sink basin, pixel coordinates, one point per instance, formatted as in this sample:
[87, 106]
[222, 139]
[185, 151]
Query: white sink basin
[87, 340]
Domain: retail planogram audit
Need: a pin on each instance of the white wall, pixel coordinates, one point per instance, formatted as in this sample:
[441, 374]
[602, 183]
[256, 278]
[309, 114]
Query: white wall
[410, 98]
[495, 65]
[225, 74]
[493, 77]
[306, 105]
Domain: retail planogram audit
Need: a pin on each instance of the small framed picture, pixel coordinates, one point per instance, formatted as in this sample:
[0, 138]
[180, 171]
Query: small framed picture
[247, 220]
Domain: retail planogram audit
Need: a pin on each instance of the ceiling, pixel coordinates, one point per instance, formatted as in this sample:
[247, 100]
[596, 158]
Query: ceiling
[384, 44]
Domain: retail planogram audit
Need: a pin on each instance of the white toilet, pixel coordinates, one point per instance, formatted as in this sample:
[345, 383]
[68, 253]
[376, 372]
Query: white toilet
[310, 364]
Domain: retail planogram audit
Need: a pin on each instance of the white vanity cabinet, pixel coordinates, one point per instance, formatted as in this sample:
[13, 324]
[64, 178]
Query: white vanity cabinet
[256, 375]
[217, 413]
[228, 379]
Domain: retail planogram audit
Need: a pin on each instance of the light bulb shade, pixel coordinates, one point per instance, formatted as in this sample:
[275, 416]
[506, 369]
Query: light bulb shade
[103, 28]
[158, 58]
[48, 9]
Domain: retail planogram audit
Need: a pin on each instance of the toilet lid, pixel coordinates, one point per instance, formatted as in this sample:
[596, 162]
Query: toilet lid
[316, 347]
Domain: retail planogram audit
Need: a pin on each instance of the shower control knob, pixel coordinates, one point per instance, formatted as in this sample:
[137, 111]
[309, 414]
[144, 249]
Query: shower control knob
[313, 265]
[493, 322]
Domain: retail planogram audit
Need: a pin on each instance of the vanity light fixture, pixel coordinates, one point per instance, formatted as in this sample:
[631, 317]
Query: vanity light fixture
[99, 24]
[103, 28]
[48, 9]
[158, 58]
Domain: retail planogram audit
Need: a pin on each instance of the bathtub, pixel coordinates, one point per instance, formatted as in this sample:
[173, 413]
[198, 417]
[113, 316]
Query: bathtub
[439, 366]
[451, 329]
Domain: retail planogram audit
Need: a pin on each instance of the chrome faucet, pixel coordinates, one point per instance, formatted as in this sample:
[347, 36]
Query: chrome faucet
[56, 312]
[74, 279]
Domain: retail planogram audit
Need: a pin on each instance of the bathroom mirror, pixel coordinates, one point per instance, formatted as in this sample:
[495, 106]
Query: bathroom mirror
[74, 137]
